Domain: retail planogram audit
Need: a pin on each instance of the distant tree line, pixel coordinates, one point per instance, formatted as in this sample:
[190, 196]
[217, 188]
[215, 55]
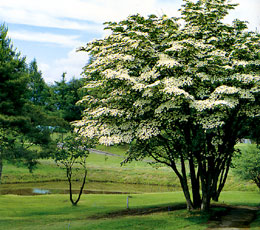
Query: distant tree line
[30, 109]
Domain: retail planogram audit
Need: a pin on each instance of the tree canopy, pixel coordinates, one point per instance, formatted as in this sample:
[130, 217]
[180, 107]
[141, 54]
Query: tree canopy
[73, 151]
[22, 123]
[176, 89]
[64, 96]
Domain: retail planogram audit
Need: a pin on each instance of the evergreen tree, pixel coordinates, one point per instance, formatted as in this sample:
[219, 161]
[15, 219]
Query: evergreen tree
[64, 96]
[22, 124]
[38, 89]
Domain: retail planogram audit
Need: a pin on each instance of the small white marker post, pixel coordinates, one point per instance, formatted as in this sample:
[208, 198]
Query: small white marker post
[127, 202]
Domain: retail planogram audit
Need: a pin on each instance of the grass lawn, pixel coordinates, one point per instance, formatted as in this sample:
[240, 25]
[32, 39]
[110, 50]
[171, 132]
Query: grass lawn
[103, 168]
[56, 212]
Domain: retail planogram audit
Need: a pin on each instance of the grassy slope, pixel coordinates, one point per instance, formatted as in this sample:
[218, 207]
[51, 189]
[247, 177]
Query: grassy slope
[107, 169]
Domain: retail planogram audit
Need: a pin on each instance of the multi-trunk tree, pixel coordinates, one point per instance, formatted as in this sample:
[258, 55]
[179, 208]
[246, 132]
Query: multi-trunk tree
[178, 90]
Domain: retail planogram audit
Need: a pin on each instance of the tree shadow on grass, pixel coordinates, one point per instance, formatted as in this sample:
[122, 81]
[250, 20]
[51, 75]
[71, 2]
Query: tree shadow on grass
[139, 211]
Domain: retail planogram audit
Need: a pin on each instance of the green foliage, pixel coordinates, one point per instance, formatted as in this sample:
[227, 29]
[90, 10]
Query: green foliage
[64, 96]
[71, 152]
[176, 93]
[22, 123]
[13, 82]
[72, 149]
[38, 89]
[247, 164]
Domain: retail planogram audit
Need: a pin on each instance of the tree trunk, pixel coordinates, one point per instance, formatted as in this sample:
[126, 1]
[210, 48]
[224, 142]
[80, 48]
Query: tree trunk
[206, 193]
[69, 174]
[205, 205]
[222, 180]
[82, 187]
[185, 187]
[195, 184]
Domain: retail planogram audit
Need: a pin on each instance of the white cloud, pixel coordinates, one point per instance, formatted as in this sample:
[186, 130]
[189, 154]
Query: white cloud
[88, 15]
[246, 11]
[59, 13]
[78, 14]
[63, 40]
[72, 65]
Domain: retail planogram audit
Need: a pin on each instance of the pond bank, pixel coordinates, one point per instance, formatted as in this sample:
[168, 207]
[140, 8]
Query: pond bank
[61, 187]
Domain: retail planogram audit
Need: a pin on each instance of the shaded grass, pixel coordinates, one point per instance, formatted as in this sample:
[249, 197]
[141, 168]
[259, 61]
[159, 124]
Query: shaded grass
[256, 224]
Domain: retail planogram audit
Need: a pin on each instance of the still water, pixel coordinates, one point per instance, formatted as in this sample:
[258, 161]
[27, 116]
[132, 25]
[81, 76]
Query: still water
[61, 187]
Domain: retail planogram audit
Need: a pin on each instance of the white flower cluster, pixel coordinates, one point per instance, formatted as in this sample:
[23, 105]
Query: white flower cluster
[173, 90]
[211, 122]
[167, 61]
[246, 78]
[240, 63]
[148, 75]
[105, 111]
[223, 89]
[93, 84]
[212, 104]
[87, 99]
[175, 46]
[147, 130]
[88, 128]
[121, 74]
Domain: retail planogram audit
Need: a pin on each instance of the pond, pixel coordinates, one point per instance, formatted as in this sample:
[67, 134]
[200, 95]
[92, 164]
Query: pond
[61, 187]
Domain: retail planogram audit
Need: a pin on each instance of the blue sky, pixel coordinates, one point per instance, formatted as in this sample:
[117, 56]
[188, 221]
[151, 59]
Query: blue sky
[52, 30]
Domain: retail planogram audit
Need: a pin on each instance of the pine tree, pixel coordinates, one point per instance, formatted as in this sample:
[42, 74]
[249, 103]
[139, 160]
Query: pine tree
[22, 124]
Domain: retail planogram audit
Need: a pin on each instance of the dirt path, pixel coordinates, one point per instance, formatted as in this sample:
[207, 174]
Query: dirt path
[104, 153]
[234, 218]
[113, 155]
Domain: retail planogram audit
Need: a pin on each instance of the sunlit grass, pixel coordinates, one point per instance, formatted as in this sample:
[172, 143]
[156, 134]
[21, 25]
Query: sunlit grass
[56, 212]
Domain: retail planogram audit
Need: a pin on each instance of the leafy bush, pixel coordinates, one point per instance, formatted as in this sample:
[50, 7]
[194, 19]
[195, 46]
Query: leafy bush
[247, 165]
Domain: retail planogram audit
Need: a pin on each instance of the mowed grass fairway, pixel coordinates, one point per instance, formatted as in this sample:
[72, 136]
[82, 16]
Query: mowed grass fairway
[94, 212]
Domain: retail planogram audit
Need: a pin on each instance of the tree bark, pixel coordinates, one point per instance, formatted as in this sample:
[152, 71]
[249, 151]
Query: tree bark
[185, 187]
[205, 205]
[69, 174]
[195, 184]
[82, 187]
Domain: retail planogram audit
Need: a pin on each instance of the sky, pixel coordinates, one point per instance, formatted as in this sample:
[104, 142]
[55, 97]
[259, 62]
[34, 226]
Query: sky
[52, 30]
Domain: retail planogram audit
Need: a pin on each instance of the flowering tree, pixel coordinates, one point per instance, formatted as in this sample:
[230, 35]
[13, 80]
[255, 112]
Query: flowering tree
[177, 92]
